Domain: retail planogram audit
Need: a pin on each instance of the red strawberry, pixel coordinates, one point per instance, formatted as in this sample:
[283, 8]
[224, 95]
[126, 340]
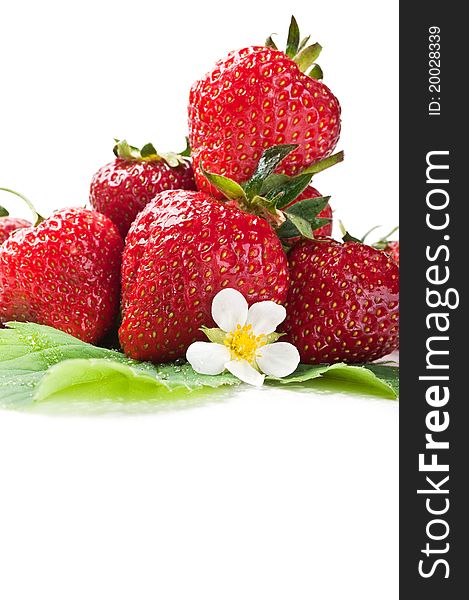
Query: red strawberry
[182, 249]
[343, 303]
[122, 188]
[9, 224]
[258, 97]
[392, 249]
[63, 273]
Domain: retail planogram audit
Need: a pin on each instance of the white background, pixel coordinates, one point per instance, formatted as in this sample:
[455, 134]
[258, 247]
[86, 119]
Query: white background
[262, 495]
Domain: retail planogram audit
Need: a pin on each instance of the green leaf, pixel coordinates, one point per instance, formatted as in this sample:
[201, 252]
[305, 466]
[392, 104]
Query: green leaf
[214, 334]
[269, 43]
[289, 230]
[309, 208]
[171, 158]
[267, 164]
[304, 211]
[372, 379]
[303, 43]
[40, 365]
[109, 380]
[324, 164]
[388, 374]
[347, 237]
[316, 73]
[308, 56]
[187, 150]
[301, 225]
[123, 149]
[289, 190]
[293, 40]
[229, 188]
[273, 181]
[149, 152]
[3, 212]
[29, 351]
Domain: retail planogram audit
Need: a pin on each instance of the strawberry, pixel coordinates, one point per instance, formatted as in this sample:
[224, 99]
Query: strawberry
[258, 97]
[64, 273]
[343, 302]
[9, 224]
[392, 249]
[122, 188]
[182, 249]
[185, 247]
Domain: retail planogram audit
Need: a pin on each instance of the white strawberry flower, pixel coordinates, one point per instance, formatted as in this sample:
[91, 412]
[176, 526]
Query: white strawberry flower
[245, 342]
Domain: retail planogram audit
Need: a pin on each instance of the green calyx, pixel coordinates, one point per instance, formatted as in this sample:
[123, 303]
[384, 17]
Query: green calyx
[346, 236]
[300, 52]
[384, 242]
[148, 153]
[37, 218]
[270, 195]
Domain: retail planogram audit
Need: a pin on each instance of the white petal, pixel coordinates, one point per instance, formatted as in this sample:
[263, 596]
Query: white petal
[243, 370]
[229, 308]
[279, 359]
[266, 316]
[208, 358]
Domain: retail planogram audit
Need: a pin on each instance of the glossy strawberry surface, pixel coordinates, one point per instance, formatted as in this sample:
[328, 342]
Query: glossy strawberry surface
[63, 273]
[122, 188]
[10, 224]
[182, 249]
[253, 99]
[343, 302]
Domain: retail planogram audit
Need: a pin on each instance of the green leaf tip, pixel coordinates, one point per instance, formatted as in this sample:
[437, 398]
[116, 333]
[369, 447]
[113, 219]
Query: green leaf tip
[228, 187]
[308, 56]
[269, 43]
[4, 212]
[298, 50]
[316, 73]
[293, 40]
[325, 163]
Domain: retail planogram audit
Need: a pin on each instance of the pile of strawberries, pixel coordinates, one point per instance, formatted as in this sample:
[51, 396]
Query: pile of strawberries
[167, 232]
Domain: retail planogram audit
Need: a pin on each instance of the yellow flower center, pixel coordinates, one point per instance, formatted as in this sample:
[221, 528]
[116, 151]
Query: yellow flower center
[243, 344]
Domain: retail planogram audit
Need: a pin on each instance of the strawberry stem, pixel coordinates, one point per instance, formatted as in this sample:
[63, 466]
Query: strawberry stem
[37, 217]
[386, 239]
[3, 212]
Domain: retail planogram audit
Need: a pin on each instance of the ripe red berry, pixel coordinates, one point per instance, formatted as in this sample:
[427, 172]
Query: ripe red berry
[10, 224]
[392, 249]
[122, 188]
[253, 99]
[343, 302]
[63, 273]
[182, 249]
